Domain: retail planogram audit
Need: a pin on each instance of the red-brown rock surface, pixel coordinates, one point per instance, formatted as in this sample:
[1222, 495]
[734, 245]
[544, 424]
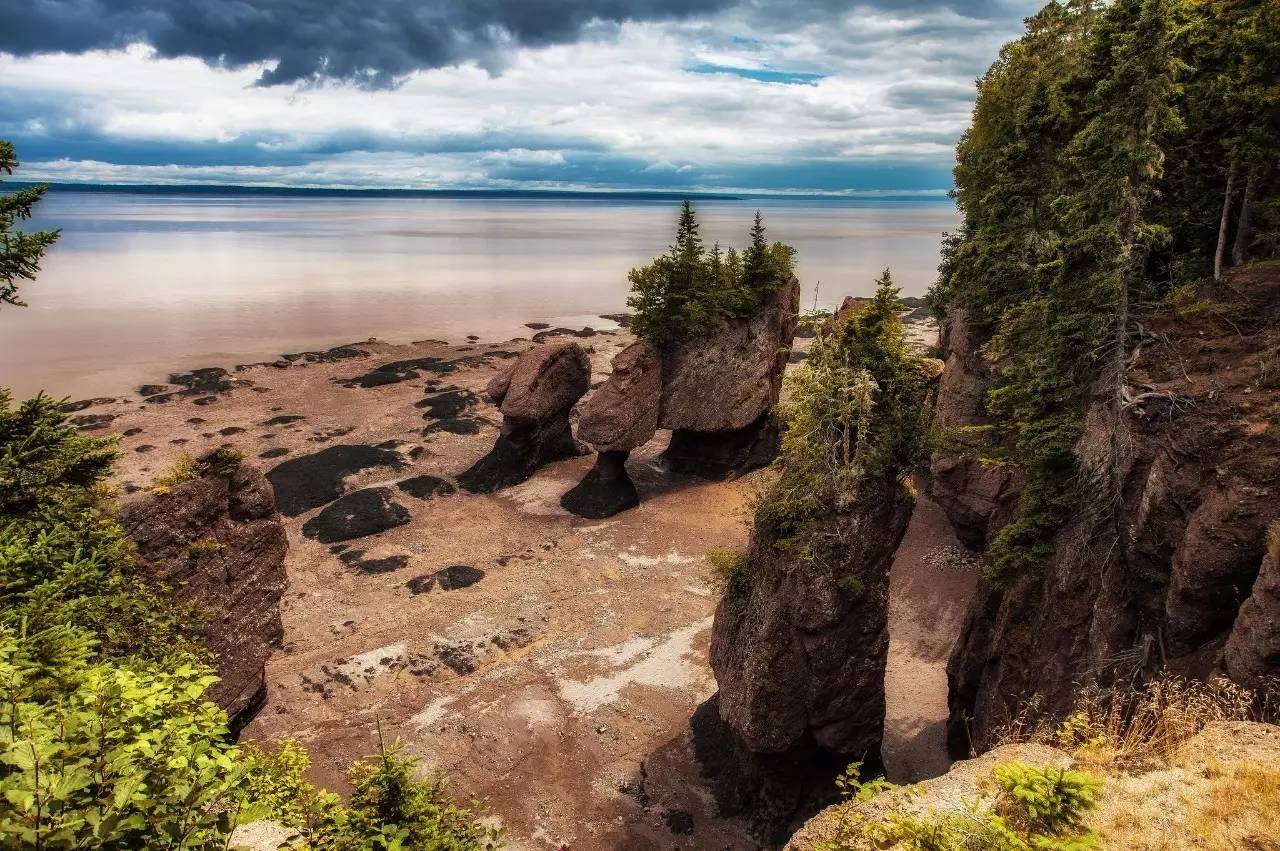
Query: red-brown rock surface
[217, 542]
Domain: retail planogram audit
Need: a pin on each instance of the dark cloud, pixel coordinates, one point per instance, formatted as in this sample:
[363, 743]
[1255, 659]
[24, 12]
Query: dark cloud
[376, 42]
[369, 42]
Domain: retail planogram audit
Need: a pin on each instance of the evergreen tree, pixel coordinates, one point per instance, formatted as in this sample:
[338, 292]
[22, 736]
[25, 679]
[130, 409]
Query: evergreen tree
[20, 252]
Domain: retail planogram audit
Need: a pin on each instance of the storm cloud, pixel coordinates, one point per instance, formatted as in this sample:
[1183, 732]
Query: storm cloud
[373, 44]
[376, 43]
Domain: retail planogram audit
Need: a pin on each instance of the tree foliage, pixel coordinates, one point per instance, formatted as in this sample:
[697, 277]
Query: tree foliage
[854, 412]
[691, 289]
[20, 252]
[1092, 179]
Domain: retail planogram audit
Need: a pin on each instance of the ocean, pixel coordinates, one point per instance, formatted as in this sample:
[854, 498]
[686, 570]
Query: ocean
[140, 285]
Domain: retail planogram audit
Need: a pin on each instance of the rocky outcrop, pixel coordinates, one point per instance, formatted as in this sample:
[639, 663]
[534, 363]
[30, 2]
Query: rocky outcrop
[217, 542]
[719, 389]
[535, 398]
[1253, 649]
[978, 498]
[799, 655]
[1155, 580]
[619, 417]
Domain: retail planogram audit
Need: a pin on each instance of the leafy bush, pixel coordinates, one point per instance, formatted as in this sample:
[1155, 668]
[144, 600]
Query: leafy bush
[121, 756]
[1035, 809]
[389, 807]
[690, 290]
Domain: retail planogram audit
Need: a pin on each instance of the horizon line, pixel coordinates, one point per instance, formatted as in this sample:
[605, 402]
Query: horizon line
[373, 192]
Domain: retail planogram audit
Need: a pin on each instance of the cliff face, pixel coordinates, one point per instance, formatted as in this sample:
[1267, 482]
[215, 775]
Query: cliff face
[1158, 580]
[218, 542]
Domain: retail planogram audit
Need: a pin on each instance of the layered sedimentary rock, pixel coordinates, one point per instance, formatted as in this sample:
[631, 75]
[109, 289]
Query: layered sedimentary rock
[218, 542]
[1156, 579]
[718, 390]
[620, 416]
[799, 655]
[535, 398]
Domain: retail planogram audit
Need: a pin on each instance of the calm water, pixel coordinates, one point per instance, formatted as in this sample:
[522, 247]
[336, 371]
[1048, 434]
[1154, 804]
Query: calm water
[140, 285]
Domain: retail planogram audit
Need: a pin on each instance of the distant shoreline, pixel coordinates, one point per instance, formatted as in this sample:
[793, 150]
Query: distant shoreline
[936, 195]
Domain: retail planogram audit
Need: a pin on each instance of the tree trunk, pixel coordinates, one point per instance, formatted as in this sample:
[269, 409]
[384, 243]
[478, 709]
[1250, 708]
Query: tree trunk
[1244, 227]
[1224, 222]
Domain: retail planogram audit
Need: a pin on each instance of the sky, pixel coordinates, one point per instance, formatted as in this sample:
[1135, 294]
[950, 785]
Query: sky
[804, 96]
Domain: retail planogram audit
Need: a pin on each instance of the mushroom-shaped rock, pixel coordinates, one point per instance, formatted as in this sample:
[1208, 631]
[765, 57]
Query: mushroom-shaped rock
[623, 413]
[718, 391]
[620, 416]
[541, 389]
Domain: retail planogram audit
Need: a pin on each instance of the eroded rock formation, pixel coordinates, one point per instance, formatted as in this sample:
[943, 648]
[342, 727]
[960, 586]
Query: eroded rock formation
[800, 655]
[535, 398]
[1157, 580]
[718, 391]
[217, 542]
[619, 417]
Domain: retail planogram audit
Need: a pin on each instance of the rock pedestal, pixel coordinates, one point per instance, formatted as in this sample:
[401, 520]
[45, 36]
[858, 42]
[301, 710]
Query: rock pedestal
[718, 390]
[535, 398]
[619, 417]
[604, 491]
[799, 650]
[217, 542]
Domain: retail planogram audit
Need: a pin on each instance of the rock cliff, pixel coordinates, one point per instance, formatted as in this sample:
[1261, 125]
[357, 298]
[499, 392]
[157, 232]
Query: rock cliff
[1158, 580]
[218, 542]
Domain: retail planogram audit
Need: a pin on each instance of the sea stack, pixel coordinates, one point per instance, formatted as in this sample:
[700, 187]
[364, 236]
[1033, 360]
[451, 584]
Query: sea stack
[718, 391]
[535, 398]
[619, 417]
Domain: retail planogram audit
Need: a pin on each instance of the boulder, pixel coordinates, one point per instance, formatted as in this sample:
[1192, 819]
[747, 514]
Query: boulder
[217, 542]
[1252, 655]
[727, 380]
[543, 386]
[623, 413]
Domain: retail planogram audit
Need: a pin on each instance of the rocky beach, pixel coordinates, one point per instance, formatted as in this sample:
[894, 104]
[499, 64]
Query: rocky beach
[548, 664]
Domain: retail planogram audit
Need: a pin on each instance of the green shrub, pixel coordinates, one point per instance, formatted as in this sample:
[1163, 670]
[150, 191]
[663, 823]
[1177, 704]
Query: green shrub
[389, 808]
[183, 468]
[123, 756]
[1036, 809]
[690, 290]
[1045, 800]
[854, 411]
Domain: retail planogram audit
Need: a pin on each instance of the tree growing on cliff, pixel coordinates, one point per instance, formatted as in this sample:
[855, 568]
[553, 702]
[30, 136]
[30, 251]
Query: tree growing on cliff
[690, 290]
[854, 410]
[1097, 174]
[20, 253]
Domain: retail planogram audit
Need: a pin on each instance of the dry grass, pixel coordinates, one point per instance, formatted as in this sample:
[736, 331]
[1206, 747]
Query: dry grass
[1139, 727]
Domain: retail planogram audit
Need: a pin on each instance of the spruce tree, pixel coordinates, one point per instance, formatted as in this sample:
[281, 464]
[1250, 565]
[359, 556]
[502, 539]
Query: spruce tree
[20, 253]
